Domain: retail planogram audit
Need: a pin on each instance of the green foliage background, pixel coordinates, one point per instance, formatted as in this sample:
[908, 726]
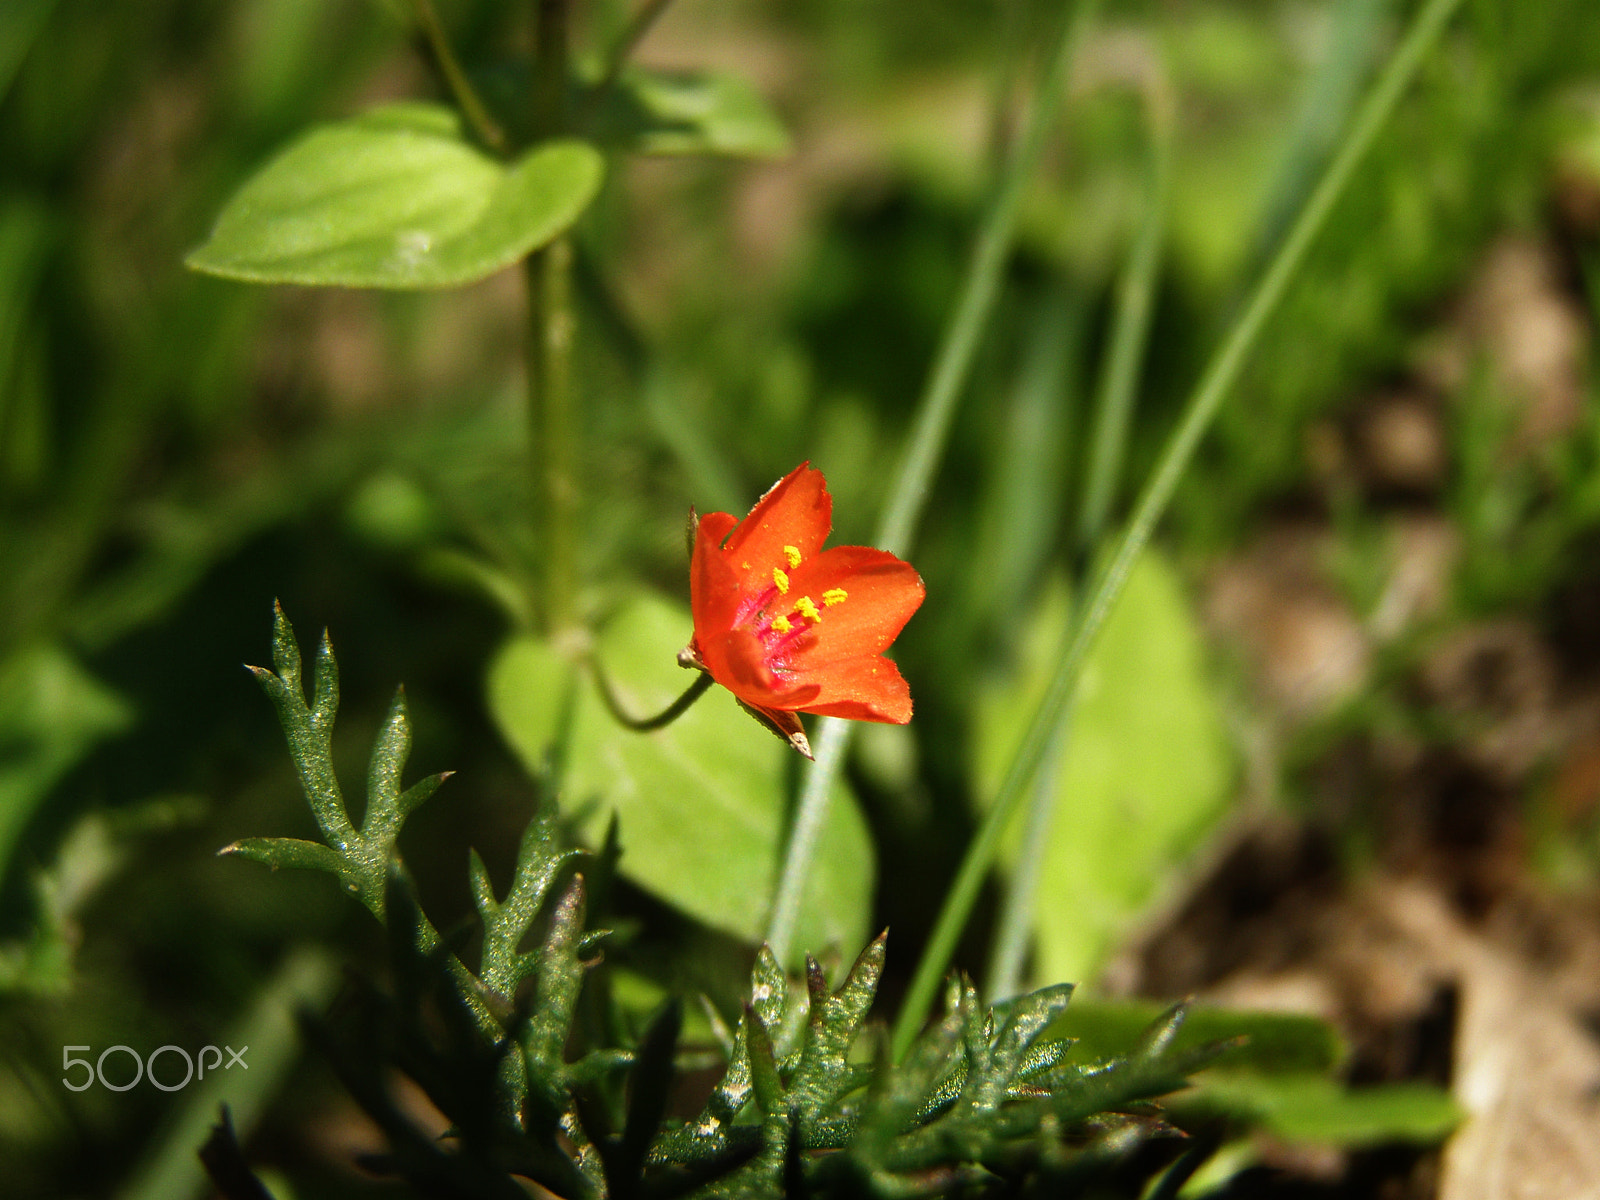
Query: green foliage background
[177, 450]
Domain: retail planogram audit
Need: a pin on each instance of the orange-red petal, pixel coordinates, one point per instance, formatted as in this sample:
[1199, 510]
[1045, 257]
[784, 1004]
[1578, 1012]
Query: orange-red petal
[736, 659]
[881, 593]
[796, 511]
[862, 689]
[713, 582]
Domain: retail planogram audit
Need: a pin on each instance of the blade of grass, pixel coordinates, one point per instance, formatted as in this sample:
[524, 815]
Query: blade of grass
[935, 410]
[1004, 978]
[1218, 378]
[1113, 409]
[1129, 338]
[1333, 90]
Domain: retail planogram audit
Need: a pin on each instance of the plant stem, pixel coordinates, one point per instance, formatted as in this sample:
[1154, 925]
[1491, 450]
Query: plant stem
[548, 95]
[1119, 385]
[1220, 375]
[935, 410]
[549, 351]
[638, 26]
[455, 78]
[645, 724]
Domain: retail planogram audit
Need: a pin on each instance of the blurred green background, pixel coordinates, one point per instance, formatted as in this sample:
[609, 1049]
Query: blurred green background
[177, 451]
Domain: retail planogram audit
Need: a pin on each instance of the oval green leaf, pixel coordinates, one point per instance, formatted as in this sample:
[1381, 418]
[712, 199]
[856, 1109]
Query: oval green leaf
[397, 198]
[1147, 770]
[701, 804]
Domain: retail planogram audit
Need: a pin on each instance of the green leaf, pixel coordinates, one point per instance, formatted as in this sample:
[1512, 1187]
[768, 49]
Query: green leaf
[505, 923]
[764, 1080]
[687, 112]
[1146, 773]
[701, 802]
[1319, 1110]
[832, 1021]
[397, 198]
[288, 852]
[1269, 1042]
[361, 858]
[769, 988]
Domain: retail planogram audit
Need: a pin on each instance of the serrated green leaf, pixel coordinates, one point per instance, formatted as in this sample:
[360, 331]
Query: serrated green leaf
[287, 852]
[702, 803]
[769, 988]
[764, 1079]
[687, 112]
[389, 753]
[832, 1022]
[1024, 1021]
[540, 860]
[397, 198]
[1142, 783]
[309, 732]
[558, 977]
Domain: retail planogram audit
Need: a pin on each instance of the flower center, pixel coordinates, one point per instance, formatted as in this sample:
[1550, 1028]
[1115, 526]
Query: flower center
[777, 627]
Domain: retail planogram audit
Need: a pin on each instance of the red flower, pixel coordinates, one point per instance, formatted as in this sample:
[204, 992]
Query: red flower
[789, 627]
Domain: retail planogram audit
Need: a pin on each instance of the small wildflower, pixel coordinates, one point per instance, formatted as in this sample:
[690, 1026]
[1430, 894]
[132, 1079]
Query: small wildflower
[776, 654]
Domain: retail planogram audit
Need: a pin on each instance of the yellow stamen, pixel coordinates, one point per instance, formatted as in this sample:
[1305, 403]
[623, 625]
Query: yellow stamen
[807, 608]
[781, 624]
[782, 580]
[792, 553]
[834, 596]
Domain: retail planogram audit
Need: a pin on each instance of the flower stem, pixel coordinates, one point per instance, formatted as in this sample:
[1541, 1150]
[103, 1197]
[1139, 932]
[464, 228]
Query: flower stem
[466, 97]
[1219, 377]
[935, 410]
[663, 718]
